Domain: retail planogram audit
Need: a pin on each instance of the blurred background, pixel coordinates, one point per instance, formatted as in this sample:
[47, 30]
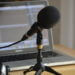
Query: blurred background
[63, 32]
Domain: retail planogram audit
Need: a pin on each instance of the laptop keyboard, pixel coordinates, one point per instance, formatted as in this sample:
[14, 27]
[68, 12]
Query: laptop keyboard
[27, 56]
[50, 58]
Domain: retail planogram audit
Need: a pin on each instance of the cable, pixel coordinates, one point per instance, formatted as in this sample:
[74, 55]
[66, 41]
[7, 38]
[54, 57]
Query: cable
[11, 44]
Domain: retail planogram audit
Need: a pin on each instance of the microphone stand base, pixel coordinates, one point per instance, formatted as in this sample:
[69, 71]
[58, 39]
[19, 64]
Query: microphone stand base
[39, 68]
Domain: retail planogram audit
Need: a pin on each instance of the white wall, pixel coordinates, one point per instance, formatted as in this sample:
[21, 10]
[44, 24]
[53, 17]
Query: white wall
[67, 23]
[56, 28]
[0, 35]
[64, 31]
[74, 25]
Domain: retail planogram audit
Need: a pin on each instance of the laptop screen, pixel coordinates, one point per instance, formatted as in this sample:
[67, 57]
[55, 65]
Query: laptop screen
[16, 18]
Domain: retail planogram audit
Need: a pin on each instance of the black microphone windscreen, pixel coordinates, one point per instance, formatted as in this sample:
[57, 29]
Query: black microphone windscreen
[48, 16]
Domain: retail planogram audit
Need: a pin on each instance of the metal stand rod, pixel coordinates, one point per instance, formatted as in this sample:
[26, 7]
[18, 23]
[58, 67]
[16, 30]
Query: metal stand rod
[39, 67]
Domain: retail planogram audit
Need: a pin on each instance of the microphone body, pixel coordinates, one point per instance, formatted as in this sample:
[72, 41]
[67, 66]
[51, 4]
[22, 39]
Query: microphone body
[34, 29]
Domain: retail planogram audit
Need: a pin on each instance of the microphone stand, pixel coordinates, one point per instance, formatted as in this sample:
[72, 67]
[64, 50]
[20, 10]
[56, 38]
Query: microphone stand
[39, 67]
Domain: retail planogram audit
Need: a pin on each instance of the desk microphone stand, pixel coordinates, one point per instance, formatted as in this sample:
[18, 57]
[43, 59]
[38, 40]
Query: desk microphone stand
[39, 67]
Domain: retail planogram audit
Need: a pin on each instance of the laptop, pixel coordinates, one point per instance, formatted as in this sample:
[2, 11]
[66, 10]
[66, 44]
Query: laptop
[16, 18]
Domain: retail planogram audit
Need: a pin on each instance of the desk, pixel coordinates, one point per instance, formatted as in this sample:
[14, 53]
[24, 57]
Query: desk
[64, 70]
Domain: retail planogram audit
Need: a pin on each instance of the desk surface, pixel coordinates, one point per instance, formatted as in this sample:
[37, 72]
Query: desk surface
[64, 49]
[64, 70]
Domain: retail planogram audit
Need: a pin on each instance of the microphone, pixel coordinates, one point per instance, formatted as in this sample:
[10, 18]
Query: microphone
[46, 18]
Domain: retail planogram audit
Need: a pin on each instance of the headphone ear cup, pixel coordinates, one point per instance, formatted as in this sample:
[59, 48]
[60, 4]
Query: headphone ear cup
[4, 70]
